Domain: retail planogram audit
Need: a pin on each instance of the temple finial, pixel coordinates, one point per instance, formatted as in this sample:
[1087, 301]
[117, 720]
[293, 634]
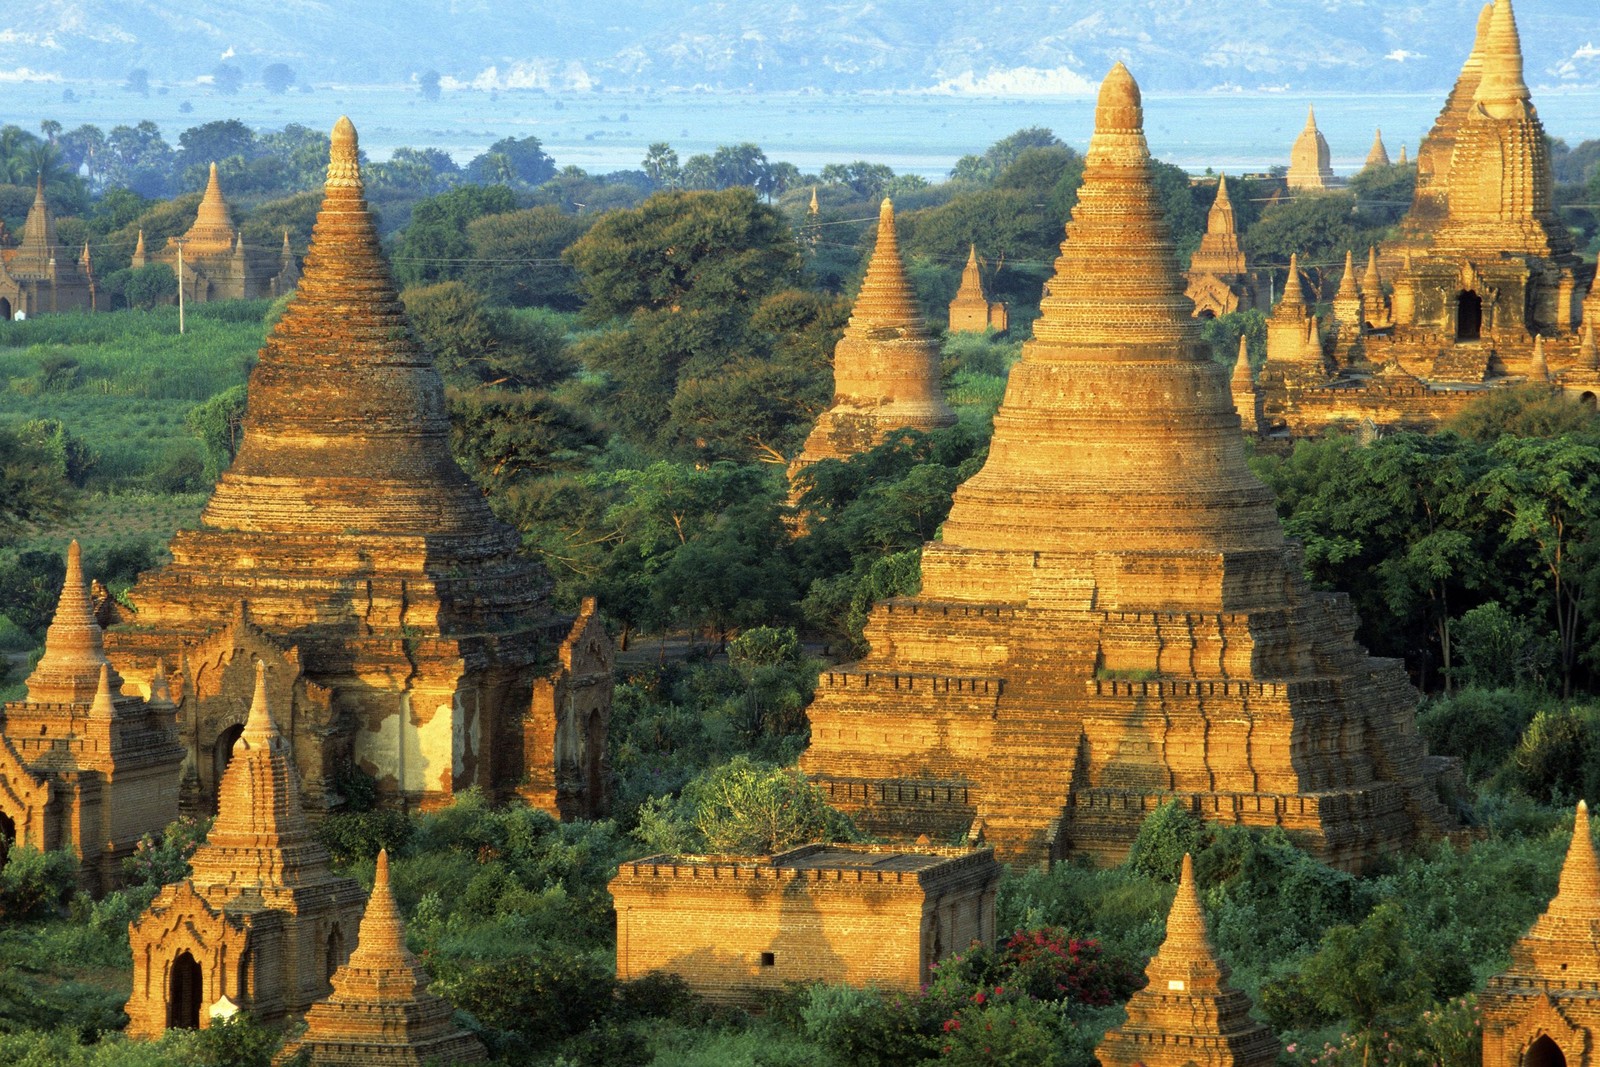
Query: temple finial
[344, 156]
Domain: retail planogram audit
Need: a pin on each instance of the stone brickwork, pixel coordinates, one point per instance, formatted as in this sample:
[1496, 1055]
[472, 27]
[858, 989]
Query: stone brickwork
[216, 263]
[262, 920]
[408, 633]
[1541, 1011]
[1219, 280]
[1309, 160]
[380, 1013]
[971, 311]
[735, 927]
[1112, 617]
[1187, 1015]
[1483, 269]
[41, 275]
[571, 717]
[885, 367]
[82, 766]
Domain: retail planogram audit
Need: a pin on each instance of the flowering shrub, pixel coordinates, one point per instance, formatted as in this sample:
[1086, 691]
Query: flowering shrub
[1450, 1034]
[1042, 964]
[157, 863]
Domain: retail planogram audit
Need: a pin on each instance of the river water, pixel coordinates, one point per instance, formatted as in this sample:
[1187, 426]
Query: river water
[919, 133]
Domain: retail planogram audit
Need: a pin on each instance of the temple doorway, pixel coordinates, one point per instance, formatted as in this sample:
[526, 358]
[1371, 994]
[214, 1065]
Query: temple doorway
[222, 755]
[183, 996]
[1469, 316]
[1544, 1053]
[5, 309]
[8, 836]
[335, 950]
[593, 755]
[1587, 400]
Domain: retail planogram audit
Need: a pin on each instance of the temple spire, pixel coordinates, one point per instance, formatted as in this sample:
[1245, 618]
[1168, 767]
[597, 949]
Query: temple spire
[1220, 219]
[69, 670]
[1294, 290]
[138, 251]
[1347, 284]
[1117, 282]
[1187, 1012]
[382, 945]
[104, 706]
[1501, 90]
[1588, 354]
[1372, 281]
[259, 729]
[886, 297]
[1578, 892]
[1378, 156]
[212, 232]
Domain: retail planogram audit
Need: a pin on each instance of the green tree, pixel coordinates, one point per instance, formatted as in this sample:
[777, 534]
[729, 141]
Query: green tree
[661, 165]
[675, 283]
[276, 78]
[745, 807]
[435, 247]
[1530, 410]
[1369, 973]
[226, 79]
[517, 257]
[219, 424]
[517, 161]
[1548, 494]
[149, 285]
[428, 84]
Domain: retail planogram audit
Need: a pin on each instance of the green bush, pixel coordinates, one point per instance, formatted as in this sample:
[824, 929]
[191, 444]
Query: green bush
[1166, 835]
[34, 884]
[1478, 726]
[358, 835]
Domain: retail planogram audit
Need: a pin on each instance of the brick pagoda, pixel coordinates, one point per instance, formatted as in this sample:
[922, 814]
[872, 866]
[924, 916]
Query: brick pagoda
[380, 1013]
[1113, 617]
[347, 549]
[40, 275]
[216, 263]
[971, 310]
[885, 367]
[262, 920]
[82, 766]
[1483, 268]
[1219, 279]
[1541, 1011]
[1187, 1013]
[1309, 159]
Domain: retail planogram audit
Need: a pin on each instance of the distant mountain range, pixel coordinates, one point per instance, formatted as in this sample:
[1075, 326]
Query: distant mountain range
[1027, 46]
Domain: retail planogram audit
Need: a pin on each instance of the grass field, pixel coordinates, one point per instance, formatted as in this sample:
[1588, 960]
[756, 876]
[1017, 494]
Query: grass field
[123, 381]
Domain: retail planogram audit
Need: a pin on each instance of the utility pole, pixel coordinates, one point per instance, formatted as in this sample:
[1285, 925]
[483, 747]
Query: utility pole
[179, 242]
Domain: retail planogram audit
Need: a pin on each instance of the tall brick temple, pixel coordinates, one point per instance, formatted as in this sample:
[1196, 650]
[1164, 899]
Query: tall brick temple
[83, 766]
[885, 367]
[1113, 617]
[262, 921]
[347, 550]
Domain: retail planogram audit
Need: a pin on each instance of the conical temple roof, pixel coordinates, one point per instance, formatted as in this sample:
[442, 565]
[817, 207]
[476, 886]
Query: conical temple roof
[1115, 391]
[38, 245]
[69, 671]
[1187, 1012]
[1242, 379]
[886, 298]
[1371, 280]
[1294, 288]
[260, 836]
[212, 232]
[1378, 155]
[1501, 90]
[1560, 947]
[971, 289]
[346, 427]
[380, 1003]
[1538, 366]
[1347, 283]
[1221, 219]
[1309, 159]
[885, 367]
[1588, 352]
